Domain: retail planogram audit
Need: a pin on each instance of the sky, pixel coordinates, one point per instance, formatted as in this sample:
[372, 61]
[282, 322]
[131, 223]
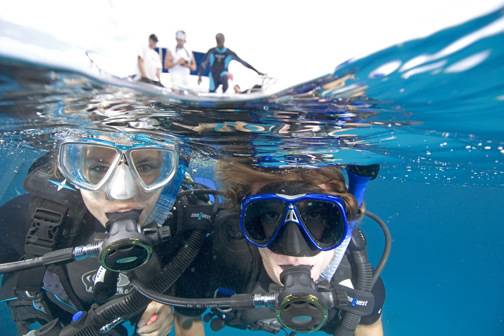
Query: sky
[292, 41]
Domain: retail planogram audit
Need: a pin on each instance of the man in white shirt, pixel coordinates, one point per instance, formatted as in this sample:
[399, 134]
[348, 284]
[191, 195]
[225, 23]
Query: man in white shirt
[149, 63]
[180, 63]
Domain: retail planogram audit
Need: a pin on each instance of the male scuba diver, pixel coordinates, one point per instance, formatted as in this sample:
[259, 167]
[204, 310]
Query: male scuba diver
[289, 257]
[96, 216]
[218, 58]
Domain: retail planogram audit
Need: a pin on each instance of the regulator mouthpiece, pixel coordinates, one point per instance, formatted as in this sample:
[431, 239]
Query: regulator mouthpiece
[300, 307]
[126, 248]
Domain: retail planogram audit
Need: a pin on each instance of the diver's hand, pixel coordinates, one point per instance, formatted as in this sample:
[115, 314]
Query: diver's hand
[156, 320]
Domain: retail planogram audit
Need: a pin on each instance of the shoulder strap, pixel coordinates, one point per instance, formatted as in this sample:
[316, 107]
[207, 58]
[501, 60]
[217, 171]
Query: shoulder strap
[56, 210]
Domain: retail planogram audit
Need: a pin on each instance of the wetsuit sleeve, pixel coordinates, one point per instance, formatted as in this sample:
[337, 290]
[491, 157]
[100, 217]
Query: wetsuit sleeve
[204, 64]
[238, 59]
[379, 296]
[13, 228]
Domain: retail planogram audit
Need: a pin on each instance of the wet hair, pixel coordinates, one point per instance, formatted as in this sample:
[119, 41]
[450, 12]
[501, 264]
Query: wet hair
[238, 181]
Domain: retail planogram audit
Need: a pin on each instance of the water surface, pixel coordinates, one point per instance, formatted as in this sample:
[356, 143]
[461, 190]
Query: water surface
[429, 111]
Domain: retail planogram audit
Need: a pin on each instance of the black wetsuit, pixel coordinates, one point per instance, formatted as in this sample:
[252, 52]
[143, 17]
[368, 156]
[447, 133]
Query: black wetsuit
[219, 60]
[238, 267]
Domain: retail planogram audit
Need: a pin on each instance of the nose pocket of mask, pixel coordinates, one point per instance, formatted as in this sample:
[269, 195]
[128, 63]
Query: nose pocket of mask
[122, 184]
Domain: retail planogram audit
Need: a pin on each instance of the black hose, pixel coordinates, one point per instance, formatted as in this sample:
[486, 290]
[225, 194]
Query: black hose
[133, 303]
[386, 250]
[21, 265]
[237, 301]
[54, 257]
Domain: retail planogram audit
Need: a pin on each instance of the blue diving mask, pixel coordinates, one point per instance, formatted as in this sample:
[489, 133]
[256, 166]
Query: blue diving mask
[119, 164]
[300, 224]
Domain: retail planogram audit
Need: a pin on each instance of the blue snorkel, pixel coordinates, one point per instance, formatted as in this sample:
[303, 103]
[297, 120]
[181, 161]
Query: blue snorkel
[358, 178]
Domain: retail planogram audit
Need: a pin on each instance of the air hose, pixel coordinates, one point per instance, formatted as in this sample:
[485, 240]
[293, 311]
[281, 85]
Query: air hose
[134, 302]
[119, 310]
[386, 251]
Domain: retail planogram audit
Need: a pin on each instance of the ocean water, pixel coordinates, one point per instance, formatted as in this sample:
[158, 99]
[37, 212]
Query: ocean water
[429, 111]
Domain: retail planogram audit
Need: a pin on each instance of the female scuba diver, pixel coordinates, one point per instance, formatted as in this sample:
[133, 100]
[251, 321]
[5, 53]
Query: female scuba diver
[292, 228]
[108, 189]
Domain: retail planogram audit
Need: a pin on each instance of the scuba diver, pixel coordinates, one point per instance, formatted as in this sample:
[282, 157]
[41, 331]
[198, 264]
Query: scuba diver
[97, 214]
[218, 58]
[287, 255]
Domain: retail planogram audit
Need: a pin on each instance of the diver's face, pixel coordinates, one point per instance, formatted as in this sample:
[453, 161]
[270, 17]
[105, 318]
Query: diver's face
[272, 261]
[122, 191]
[99, 204]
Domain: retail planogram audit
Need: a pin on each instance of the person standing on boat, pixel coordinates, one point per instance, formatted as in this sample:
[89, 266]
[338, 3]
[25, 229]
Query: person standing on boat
[149, 63]
[180, 62]
[219, 58]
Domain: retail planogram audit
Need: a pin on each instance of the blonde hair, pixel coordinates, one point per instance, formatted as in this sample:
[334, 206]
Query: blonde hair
[238, 180]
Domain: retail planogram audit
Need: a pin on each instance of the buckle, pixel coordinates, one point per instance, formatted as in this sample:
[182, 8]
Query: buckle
[41, 237]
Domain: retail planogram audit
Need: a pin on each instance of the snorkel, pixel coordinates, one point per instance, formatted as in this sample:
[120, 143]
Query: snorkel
[358, 178]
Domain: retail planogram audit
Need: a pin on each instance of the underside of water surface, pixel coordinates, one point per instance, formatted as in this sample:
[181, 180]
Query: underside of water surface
[427, 110]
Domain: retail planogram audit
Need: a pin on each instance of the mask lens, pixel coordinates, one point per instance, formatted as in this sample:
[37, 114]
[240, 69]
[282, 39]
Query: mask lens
[155, 167]
[323, 220]
[87, 166]
[262, 219]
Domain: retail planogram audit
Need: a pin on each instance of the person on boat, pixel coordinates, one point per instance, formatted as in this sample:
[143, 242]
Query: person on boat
[149, 63]
[180, 62]
[218, 58]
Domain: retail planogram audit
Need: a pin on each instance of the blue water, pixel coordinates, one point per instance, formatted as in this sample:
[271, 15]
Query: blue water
[430, 111]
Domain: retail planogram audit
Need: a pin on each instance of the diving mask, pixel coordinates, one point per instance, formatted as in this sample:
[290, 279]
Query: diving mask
[282, 221]
[121, 166]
